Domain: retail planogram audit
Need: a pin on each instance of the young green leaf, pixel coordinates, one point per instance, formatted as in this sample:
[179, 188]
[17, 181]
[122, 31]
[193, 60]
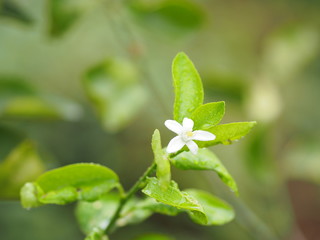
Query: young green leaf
[208, 115]
[82, 181]
[174, 197]
[161, 159]
[204, 160]
[188, 87]
[217, 211]
[227, 133]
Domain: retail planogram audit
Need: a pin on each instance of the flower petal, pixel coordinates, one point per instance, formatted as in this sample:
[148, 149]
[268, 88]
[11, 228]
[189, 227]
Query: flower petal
[193, 147]
[174, 126]
[187, 123]
[175, 144]
[203, 136]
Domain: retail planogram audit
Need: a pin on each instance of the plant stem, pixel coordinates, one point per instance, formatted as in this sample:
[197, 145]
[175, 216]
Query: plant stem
[128, 195]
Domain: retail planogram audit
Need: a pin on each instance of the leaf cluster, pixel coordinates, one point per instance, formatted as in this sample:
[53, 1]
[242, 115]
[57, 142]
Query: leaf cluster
[102, 203]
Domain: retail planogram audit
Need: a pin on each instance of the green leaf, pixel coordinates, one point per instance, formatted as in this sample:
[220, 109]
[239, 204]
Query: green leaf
[151, 205]
[9, 139]
[168, 17]
[217, 211]
[22, 164]
[174, 197]
[97, 235]
[227, 133]
[95, 216]
[115, 92]
[154, 236]
[63, 14]
[161, 159]
[208, 115]
[188, 87]
[82, 181]
[204, 160]
[18, 99]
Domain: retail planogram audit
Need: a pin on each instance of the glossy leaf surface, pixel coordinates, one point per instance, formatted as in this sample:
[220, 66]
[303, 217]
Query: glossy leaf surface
[174, 197]
[208, 115]
[82, 181]
[204, 160]
[187, 86]
[227, 133]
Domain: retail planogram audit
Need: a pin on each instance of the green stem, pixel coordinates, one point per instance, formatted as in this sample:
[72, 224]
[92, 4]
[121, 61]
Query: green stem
[128, 195]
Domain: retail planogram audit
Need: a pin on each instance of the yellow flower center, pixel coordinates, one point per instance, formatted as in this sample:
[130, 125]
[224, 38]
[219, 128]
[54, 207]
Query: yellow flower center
[189, 134]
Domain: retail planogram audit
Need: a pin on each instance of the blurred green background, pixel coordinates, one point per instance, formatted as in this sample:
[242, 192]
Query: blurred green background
[89, 81]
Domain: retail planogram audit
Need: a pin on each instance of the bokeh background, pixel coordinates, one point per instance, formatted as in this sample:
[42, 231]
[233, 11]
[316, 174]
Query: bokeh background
[89, 81]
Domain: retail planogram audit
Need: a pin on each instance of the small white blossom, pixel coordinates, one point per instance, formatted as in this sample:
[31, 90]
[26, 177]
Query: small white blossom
[186, 135]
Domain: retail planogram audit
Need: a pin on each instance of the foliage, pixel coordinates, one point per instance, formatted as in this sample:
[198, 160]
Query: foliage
[100, 211]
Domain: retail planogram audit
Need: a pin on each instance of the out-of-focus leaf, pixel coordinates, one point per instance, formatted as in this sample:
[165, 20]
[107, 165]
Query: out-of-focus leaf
[264, 101]
[9, 9]
[115, 92]
[21, 165]
[204, 160]
[217, 211]
[169, 16]
[208, 115]
[82, 181]
[63, 14]
[227, 133]
[288, 50]
[188, 87]
[9, 139]
[258, 155]
[154, 236]
[302, 161]
[174, 197]
[161, 159]
[19, 99]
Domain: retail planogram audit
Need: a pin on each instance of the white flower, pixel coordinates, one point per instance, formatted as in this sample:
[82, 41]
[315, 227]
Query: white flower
[186, 135]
